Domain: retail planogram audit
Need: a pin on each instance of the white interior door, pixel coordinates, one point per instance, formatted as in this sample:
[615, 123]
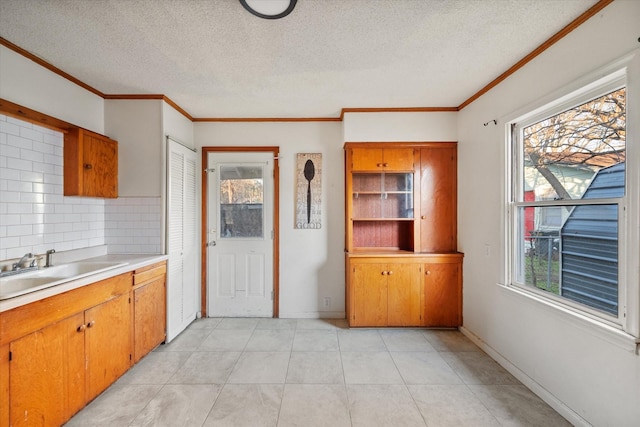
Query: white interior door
[240, 234]
[182, 265]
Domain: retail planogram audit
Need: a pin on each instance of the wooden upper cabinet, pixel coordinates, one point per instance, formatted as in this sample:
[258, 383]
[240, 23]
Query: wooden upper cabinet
[438, 198]
[90, 165]
[382, 159]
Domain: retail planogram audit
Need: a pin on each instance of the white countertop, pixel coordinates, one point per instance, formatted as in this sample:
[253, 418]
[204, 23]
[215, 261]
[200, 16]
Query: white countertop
[133, 261]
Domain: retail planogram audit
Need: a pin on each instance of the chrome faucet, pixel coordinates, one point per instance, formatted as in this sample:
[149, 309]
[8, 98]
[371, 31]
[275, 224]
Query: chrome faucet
[26, 257]
[50, 253]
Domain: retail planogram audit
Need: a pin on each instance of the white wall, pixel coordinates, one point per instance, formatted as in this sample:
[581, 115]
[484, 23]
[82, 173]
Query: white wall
[28, 84]
[176, 125]
[311, 261]
[397, 126]
[586, 375]
[137, 126]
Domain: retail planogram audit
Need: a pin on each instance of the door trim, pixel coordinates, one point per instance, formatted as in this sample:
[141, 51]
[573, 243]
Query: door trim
[276, 220]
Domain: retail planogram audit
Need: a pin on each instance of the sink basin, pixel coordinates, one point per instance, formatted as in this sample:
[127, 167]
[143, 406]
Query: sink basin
[20, 284]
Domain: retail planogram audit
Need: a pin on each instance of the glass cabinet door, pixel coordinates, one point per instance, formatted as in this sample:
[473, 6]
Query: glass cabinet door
[382, 196]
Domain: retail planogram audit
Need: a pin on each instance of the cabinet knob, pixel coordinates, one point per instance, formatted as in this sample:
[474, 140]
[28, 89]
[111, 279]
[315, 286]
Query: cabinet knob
[81, 328]
[90, 324]
[383, 273]
[379, 165]
[385, 164]
[389, 273]
[88, 166]
[423, 217]
[427, 272]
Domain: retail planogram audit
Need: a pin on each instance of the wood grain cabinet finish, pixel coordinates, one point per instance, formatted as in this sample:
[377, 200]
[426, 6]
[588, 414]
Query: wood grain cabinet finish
[438, 198]
[149, 296]
[90, 165]
[47, 374]
[403, 268]
[382, 159]
[442, 292]
[61, 352]
[384, 292]
[107, 343]
[55, 370]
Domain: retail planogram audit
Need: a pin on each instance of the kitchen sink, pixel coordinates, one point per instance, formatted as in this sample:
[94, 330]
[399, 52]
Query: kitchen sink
[20, 284]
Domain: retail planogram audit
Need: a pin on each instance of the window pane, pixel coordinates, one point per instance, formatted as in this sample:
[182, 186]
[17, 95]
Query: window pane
[563, 153]
[578, 261]
[241, 195]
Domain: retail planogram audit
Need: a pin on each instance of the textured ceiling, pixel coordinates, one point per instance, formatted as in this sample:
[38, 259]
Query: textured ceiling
[214, 59]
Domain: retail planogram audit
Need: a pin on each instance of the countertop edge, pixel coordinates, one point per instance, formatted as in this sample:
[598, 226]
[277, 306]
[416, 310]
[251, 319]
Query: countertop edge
[134, 261]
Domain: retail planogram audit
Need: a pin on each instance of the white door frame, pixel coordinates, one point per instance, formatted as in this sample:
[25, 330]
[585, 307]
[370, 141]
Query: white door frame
[276, 216]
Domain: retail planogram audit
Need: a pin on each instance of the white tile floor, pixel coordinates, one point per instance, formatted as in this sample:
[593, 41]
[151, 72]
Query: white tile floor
[312, 372]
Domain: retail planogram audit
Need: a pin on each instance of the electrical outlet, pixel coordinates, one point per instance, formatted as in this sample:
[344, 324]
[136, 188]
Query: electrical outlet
[487, 250]
[327, 301]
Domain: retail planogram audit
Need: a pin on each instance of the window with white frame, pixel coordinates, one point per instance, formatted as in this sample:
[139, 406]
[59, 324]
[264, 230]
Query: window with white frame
[568, 195]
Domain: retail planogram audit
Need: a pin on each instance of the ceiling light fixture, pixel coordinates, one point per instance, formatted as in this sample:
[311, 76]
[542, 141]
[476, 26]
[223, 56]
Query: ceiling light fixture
[269, 9]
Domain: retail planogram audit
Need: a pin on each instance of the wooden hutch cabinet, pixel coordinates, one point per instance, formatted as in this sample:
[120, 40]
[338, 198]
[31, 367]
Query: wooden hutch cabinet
[402, 264]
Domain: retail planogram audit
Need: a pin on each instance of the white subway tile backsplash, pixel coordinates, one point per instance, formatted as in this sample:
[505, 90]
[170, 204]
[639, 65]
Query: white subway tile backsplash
[35, 216]
[19, 142]
[31, 198]
[7, 128]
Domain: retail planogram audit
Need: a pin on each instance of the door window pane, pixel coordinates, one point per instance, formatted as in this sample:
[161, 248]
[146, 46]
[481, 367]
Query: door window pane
[241, 199]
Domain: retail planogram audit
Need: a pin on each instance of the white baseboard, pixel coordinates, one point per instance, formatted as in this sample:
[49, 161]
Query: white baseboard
[559, 406]
[312, 315]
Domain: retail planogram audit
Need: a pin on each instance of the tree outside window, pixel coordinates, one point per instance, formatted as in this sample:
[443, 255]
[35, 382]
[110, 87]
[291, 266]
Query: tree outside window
[571, 181]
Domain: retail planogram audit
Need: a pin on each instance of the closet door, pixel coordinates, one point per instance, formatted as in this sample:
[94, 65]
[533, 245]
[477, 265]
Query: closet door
[181, 239]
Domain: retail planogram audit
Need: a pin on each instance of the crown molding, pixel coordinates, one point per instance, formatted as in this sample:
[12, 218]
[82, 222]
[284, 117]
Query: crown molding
[593, 10]
[601, 4]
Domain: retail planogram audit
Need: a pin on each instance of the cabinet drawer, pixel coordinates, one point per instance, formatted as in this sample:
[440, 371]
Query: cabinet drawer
[149, 272]
[25, 319]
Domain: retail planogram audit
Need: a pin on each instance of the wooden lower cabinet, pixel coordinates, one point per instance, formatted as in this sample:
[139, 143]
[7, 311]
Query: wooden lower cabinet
[443, 292]
[368, 295]
[107, 343]
[150, 315]
[384, 294]
[47, 375]
[54, 371]
[423, 290]
[60, 352]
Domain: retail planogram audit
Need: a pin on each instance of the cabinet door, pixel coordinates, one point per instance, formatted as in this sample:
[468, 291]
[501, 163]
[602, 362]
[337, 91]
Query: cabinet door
[47, 376]
[368, 295]
[100, 166]
[149, 317]
[366, 159]
[438, 195]
[382, 159]
[442, 294]
[404, 294]
[397, 159]
[108, 343]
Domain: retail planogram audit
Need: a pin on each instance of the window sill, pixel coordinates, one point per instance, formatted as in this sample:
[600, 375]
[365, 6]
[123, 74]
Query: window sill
[595, 327]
